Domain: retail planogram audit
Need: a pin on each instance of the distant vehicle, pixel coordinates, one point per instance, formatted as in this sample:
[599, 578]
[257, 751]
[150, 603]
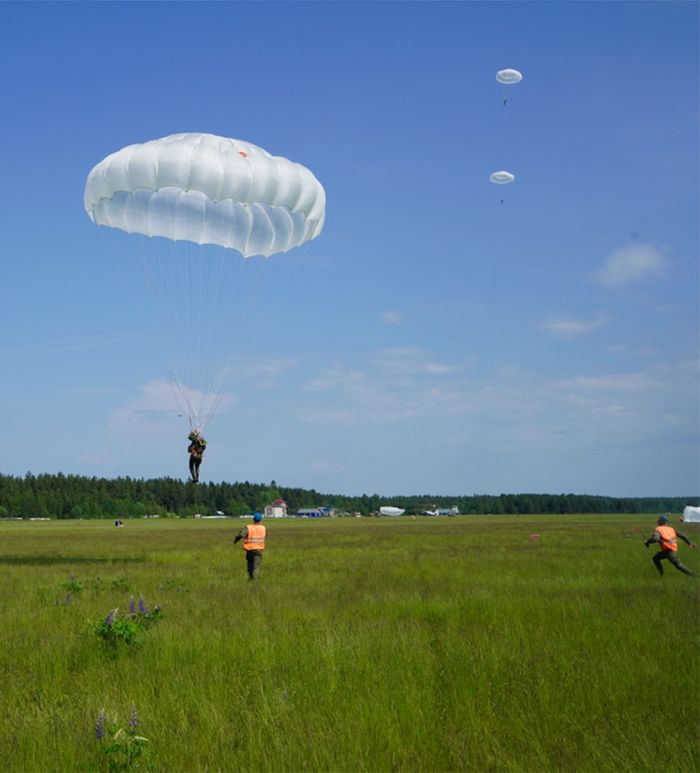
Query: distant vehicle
[391, 511]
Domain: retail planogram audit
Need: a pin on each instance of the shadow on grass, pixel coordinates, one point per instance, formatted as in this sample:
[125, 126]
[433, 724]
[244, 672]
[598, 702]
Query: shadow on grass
[51, 560]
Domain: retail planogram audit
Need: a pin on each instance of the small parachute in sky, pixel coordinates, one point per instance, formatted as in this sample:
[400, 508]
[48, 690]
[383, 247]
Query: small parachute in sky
[508, 77]
[502, 178]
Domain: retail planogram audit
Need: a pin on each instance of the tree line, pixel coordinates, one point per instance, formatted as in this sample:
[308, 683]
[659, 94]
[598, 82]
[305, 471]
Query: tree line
[74, 496]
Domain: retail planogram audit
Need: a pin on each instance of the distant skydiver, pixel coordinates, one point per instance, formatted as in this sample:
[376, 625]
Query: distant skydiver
[253, 537]
[666, 536]
[196, 450]
[508, 77]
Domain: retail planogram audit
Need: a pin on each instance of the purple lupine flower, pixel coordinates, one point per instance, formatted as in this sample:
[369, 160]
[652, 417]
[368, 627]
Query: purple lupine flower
[134, 721]
[111, 617]
[100, 726]
[143, 609]
[132, 607]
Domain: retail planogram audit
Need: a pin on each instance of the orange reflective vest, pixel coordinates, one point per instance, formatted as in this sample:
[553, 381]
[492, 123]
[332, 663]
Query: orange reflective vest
[668, 537]
[255, 537]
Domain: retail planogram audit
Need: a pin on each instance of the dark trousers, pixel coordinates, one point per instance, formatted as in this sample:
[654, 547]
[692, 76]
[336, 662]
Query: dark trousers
[253, 559]
[670, 556]
[195, 461]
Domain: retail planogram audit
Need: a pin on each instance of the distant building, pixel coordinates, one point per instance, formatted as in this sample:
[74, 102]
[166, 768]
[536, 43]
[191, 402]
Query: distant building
[278, 509]
[325, 511]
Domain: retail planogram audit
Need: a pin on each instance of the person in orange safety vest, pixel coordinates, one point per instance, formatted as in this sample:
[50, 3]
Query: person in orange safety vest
[667, 538]
[253, 537]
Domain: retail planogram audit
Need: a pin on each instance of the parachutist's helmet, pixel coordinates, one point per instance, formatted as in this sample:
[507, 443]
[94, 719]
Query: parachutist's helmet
[663, 518]
[257, 517]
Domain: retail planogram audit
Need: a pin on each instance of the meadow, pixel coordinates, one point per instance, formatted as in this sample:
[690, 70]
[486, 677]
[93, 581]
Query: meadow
[426, 644]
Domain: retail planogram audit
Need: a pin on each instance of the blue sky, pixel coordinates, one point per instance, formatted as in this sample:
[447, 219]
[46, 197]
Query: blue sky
[432, 339]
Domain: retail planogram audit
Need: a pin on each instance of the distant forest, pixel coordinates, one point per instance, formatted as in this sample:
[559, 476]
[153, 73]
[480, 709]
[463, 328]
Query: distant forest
[73, 496]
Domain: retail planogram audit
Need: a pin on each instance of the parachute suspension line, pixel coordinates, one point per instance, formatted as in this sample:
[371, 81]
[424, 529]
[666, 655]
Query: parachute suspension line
[271, 287]
[183, 402]
[252, 278]
[192, 260]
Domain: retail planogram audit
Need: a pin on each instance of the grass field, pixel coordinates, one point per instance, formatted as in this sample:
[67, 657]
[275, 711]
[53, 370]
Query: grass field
[367, 645]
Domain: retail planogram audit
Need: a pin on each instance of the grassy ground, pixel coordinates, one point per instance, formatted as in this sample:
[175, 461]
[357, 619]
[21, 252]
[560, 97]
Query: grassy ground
[367, 645]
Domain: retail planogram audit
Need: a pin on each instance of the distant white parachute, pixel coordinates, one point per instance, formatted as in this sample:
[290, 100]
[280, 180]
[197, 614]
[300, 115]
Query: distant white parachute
[391, 511]
[691, 514]
[216, 202]
[502, 177]
[508, 76]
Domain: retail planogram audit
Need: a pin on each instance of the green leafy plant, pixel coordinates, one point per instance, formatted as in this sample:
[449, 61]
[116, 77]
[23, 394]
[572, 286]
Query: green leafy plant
[120, 583]
[73, 585]
[123, 748]
[129, 628]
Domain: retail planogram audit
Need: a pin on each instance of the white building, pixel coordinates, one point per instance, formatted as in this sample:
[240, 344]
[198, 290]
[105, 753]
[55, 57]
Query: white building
[278, 509]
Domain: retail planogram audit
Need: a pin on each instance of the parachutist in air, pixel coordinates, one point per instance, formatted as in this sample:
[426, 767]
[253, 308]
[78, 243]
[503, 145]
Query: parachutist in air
[196, 450]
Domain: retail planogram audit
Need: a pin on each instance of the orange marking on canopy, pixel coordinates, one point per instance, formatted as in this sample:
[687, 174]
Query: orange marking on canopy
[243, 153]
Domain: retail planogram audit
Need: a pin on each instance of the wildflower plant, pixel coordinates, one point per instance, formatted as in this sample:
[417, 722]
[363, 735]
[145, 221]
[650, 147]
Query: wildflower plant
[72, 585]
[122, 748]
[127, 629]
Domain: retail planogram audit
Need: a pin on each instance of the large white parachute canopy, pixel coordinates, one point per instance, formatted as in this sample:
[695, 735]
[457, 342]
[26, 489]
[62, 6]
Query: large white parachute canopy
[508, 76]
[215, 202]
[209, 190]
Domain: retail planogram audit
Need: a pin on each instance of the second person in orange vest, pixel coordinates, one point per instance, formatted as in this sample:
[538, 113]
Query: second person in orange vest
[667, 538]
[253, 537]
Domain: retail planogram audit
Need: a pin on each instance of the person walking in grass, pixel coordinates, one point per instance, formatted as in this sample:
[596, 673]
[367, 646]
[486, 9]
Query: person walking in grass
[667, 537]
[253, 537]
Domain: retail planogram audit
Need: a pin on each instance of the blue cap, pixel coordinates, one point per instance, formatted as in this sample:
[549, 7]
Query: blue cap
[257, 517]
[663, 518]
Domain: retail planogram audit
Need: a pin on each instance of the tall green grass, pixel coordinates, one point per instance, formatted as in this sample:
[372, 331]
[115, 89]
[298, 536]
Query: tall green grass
[367, 645]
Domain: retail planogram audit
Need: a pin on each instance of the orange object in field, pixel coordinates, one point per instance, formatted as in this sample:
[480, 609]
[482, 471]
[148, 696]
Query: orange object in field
[255, 538]
[668, 537]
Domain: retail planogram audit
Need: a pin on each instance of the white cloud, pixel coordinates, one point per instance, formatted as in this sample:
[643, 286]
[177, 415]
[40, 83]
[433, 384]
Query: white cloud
[328, 416]
[159, 404]
[150, 420]
[631, 264]
[620, 382]
[570, 328]
[390, 317]
[265, 373]
[411, 360]
[324, 466]
[103, 457]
